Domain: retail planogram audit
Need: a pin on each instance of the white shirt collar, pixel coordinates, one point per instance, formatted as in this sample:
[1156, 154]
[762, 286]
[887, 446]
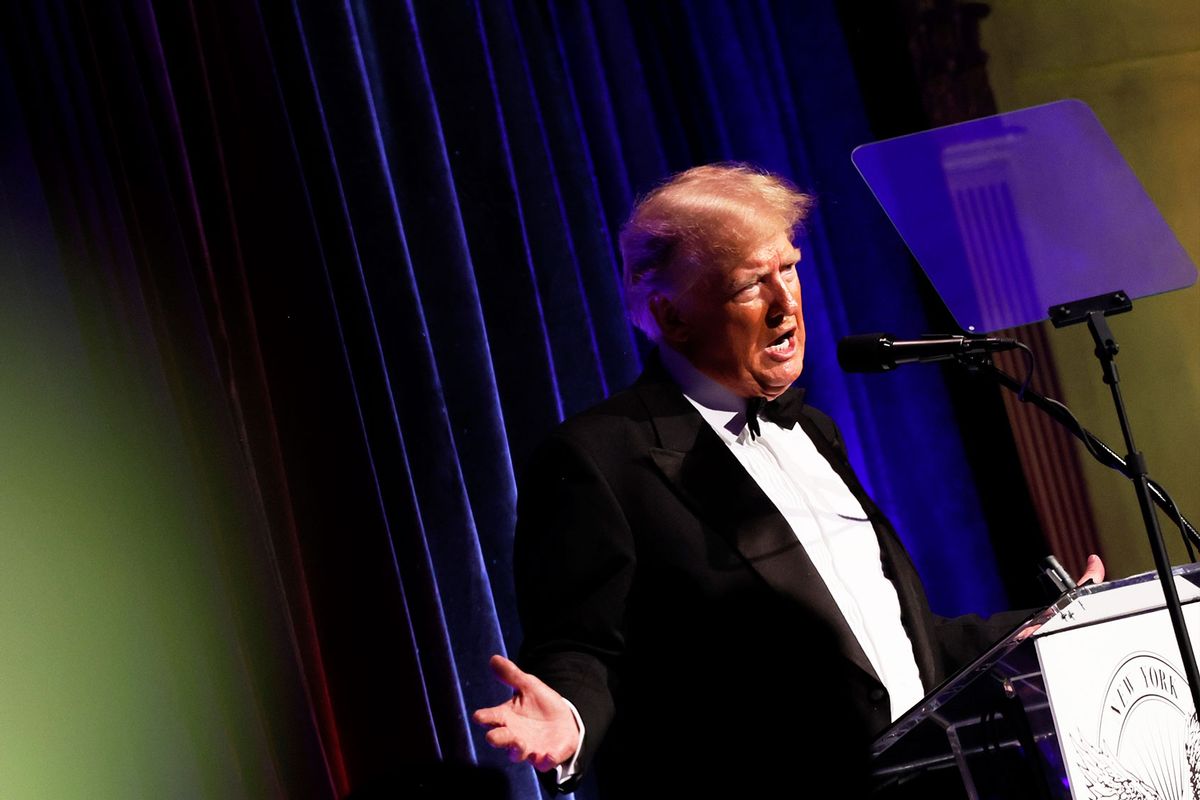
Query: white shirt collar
[720, 406]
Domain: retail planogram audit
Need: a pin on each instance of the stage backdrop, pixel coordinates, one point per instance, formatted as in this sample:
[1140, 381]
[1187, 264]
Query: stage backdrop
[289, 292]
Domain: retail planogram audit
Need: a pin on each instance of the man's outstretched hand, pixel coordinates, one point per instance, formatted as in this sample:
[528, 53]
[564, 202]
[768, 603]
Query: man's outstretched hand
[535, 725]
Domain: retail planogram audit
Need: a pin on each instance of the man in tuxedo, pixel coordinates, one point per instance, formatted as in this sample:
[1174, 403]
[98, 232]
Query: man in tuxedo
[711, 602]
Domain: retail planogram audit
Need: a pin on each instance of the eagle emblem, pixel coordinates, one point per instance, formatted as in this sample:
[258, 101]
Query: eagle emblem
[1159, 765]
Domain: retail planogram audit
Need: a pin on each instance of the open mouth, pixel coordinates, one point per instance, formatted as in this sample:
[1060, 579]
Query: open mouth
[784, 344]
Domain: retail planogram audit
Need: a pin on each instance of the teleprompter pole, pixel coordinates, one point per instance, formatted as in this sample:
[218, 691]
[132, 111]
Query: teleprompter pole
[1106, 351]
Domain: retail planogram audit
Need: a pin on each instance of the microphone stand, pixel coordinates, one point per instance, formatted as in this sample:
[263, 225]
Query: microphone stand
[1093, 311]
[1099, 450]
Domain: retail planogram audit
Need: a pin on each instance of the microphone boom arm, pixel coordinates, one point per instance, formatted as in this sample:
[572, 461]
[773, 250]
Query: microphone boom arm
[1094, 444]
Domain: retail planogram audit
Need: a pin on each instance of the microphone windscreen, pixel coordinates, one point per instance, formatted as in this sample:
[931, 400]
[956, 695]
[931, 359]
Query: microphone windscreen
[865, 352]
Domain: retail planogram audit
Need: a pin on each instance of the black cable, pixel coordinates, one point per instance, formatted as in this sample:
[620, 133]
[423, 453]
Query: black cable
[1095, 446]
[1030, 363]
[1175, 515]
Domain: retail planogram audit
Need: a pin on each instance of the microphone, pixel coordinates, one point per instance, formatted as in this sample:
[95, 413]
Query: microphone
[880, 352]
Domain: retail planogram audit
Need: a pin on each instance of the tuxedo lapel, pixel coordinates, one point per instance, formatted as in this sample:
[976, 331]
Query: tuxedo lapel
[892, 557]
[709, 478]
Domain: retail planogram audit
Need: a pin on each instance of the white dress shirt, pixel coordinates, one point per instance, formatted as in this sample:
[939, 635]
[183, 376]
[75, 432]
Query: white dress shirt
[828, 521]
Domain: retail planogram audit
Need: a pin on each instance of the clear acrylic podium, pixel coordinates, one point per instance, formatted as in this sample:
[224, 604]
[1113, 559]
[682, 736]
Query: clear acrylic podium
[1085, 699]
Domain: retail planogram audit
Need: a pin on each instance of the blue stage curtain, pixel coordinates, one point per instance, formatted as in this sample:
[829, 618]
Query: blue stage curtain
[379, 239]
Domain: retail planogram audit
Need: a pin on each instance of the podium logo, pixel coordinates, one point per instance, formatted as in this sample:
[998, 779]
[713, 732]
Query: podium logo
[1147, 746]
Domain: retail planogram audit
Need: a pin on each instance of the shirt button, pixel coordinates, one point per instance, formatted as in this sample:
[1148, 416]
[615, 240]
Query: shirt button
[877, 695]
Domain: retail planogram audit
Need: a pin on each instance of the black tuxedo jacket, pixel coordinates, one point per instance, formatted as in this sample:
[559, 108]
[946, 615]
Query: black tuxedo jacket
[663, 593]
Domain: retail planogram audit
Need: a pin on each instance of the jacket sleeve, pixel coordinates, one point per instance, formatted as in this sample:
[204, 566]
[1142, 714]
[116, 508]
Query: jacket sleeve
[574, 563]
[964, 639]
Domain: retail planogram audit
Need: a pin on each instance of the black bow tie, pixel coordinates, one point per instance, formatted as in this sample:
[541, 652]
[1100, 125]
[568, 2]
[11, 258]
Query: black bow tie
[784, 410]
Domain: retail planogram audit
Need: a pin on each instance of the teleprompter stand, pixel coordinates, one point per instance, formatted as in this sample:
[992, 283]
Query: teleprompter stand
[1095, 311]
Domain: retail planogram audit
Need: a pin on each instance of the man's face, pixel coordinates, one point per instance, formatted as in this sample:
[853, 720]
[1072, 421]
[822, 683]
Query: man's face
[742, 325]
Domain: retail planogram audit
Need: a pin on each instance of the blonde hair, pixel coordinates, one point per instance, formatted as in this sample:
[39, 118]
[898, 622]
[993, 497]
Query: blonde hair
[705, 216]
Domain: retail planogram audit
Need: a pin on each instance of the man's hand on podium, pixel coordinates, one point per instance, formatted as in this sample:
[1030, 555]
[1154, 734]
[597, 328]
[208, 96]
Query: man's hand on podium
[534, 725]
[1094, 571]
